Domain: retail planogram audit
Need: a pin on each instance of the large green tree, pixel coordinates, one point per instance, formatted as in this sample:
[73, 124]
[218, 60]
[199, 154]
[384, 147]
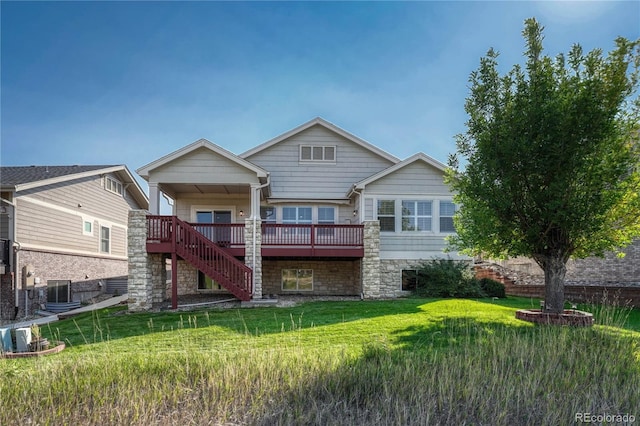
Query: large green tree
[549, 166]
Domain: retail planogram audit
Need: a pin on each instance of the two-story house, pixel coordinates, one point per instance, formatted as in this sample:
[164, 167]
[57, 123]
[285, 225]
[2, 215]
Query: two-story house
[64, 232]
[315, 211]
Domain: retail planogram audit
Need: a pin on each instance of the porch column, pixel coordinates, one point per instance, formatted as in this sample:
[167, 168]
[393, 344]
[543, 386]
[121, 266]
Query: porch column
[154, 198]
[255, 201]
[371, 260]
[253, 252]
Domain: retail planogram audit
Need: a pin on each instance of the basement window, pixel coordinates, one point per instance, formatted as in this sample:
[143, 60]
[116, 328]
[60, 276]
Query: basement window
[58, 291]
[409, 279]
[297, 279]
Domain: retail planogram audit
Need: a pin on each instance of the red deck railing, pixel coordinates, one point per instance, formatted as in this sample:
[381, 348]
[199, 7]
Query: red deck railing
[276, 234]
[171, 234]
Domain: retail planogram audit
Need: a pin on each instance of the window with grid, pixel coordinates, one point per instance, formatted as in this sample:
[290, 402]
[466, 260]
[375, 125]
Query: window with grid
[112, 185]
[317, 153]
[387, 215]
[416, 215]
[105, 239]
[447, 211]
[297, 279]
[326, 216]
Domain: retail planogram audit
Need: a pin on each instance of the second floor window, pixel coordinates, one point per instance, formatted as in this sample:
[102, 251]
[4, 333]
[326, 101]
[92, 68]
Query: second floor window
[105, 239]
[387, 215]
[112, 185]
[447, 210]
[416, 215]
[298, 215]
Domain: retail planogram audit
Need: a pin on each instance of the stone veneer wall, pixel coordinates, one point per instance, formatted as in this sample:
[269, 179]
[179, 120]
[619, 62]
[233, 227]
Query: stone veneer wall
[391, 275]
[249, 254]
[371, 261]
[147, 272]
[330, 277]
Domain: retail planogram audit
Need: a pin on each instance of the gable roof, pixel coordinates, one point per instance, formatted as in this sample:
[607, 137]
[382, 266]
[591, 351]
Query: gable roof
[327, 125]
[200, 143]
[20, 178]
[415, 157]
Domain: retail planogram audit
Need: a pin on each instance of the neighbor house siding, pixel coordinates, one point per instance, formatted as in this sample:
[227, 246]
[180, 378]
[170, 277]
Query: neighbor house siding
[291, 178]
[203, 166]
[51, 217]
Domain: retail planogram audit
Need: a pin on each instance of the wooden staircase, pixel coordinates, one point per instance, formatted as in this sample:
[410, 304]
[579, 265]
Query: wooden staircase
[205, 255]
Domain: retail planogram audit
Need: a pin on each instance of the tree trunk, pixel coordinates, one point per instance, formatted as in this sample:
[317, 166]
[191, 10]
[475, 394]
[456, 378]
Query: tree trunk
[555, 268]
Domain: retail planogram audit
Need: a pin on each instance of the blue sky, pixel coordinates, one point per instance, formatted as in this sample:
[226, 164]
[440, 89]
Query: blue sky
[128, 82]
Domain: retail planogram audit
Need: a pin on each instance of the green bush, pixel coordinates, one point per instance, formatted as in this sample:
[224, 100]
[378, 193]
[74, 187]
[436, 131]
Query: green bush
[492, 288]
[447, 278]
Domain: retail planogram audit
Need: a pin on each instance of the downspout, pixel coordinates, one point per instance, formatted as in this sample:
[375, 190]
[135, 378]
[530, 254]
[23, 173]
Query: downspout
[360, 216]
[253, 214]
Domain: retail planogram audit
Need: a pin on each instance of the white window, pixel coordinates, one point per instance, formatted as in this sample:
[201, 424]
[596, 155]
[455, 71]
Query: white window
[87, 227]
[317, 153]
[447, 210]
[297, 215]
[326, 215]
[416, 215]
[297, 279]
[105, 239]
[110, 184]
[387, 215]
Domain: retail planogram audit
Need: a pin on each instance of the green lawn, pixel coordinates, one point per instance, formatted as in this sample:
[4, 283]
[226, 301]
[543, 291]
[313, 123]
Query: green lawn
[408, 361]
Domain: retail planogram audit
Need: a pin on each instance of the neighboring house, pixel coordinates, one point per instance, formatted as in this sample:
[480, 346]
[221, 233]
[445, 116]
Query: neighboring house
[314, 211]
[65, 232]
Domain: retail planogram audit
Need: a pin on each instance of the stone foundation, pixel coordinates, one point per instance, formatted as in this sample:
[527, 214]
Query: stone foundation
[330, 277]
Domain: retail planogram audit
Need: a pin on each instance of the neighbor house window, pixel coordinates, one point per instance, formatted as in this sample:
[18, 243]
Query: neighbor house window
[112, 185]
[387, 215]
[87, 227]
[58, 291]
[317, 153]
[409, 279]
[447, 210]
[416, 215]
[105, 239]
[297, 279]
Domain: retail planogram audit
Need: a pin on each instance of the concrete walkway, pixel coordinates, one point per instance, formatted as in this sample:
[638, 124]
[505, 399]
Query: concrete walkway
[55, 317]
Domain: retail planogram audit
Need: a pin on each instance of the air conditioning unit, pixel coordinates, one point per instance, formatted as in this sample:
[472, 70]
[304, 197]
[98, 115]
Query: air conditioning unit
[23, 339]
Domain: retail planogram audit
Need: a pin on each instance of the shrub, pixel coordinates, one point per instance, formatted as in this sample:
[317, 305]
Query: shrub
[492, 288]
[447, 278]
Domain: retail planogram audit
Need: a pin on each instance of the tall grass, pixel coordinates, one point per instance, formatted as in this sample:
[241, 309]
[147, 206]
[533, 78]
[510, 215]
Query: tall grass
[451, 362]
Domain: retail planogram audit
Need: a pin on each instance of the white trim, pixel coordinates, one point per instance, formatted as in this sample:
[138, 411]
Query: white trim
[84, 222]
[50, 249]
[419, 255]
[201, 143]
[139, 195]
[398, 199]
[327, 125]
[210, 208]
[416, 157]
[100, 227]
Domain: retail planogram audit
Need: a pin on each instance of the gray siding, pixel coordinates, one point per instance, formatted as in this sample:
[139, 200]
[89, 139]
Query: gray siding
[293, 179]
[52, 216]
[202, 166]
[415, 178]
